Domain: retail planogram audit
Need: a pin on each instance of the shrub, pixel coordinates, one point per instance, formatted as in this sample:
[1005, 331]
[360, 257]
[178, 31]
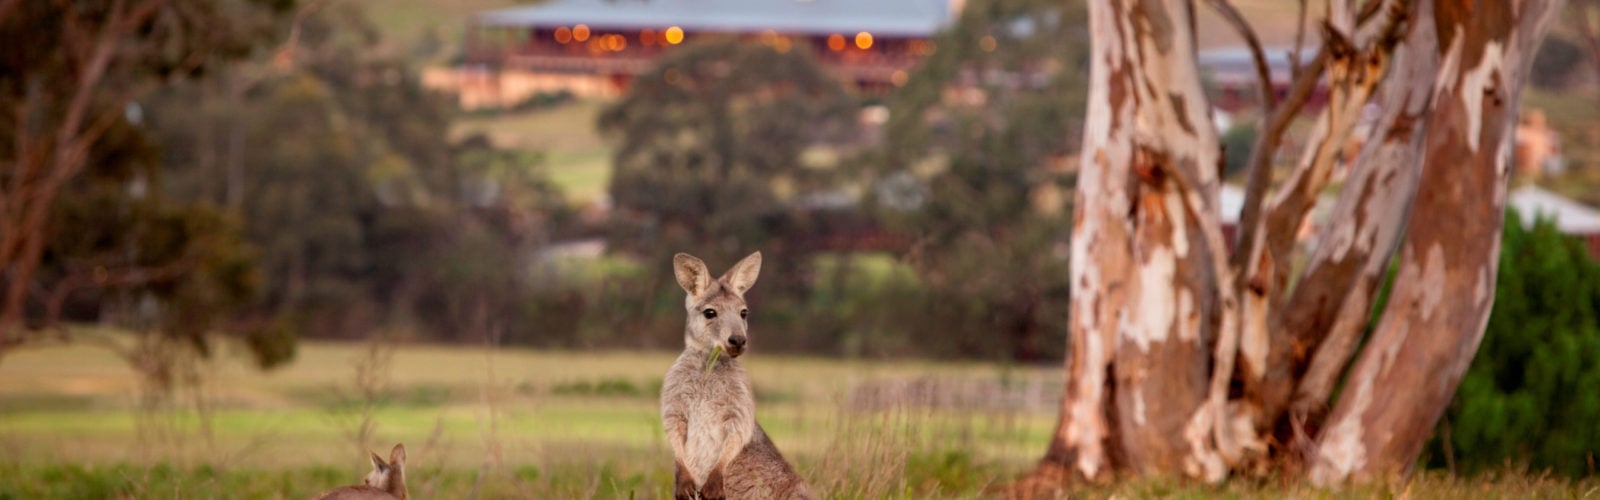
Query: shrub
[1529, 398]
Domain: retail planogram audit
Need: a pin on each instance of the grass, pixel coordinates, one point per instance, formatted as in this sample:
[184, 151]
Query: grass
[525, 423]
[406, 23]
[547, 423]
[576, 158]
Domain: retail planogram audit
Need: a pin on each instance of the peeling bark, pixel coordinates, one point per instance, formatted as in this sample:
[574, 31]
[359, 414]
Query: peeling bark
[1145, 305]
[1353, 72]
[1411, 365]
[1334, 295]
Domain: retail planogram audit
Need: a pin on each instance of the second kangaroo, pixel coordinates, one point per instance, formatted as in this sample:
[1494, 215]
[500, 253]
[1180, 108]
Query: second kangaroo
[707, 407]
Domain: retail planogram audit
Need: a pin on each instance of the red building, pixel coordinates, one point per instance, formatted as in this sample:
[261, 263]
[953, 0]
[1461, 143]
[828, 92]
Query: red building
[597, 46]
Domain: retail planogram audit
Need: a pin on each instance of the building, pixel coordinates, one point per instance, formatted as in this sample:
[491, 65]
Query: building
[595, 47]
[1230, 72]
[1531, 202]
[1571, 218]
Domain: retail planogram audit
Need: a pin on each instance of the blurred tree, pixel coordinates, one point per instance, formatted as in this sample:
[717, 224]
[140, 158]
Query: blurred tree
[1529, 397]
[342, 169]
[985, 128]
[720, 148]
[78, 208]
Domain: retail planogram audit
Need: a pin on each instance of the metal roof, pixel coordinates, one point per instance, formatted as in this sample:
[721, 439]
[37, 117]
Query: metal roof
[879, 17]
[1570, 216]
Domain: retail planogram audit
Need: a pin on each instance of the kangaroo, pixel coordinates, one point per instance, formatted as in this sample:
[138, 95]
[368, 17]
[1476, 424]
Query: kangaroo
[386, 481]
[707, 407]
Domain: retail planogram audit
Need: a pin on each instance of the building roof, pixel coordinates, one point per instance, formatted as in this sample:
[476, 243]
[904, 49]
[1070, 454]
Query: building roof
[1570, 216]
[879, 17]
[1235, 65]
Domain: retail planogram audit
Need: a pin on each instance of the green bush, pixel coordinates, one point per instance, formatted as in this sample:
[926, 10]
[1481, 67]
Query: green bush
[1532, 395]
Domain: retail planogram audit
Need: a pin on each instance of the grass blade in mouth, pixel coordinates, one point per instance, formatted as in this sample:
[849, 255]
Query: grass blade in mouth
[712, 359]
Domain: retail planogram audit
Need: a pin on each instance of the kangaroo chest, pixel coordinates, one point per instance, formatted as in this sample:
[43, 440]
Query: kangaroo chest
[719, 412]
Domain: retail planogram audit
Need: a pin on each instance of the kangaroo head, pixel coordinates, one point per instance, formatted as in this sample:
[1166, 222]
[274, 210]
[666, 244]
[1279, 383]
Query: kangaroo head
[389, 476]
[716, 307]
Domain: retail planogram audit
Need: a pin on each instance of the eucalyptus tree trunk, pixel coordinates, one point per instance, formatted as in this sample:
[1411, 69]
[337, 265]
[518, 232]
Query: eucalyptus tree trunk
[1410, 367]
[1144, 313]
[1186, 361]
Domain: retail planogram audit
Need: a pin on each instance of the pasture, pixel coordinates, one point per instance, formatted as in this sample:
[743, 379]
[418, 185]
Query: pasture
[517, 423]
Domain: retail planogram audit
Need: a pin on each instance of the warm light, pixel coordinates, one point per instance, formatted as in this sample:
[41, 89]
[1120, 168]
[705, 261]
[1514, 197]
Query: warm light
[836, 42]
[647, 36]
[563, 35]
[898, 78]
[674, 35]
[616, 43]
[864, 40]
[580, 32]
[987, 43]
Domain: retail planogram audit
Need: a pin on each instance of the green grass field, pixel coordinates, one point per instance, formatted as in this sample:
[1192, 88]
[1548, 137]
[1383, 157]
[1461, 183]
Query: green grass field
[576, 158]
[528, 421]
[522, 423]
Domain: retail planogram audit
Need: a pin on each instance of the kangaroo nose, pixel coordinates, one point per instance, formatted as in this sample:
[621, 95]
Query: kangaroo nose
[736, 341]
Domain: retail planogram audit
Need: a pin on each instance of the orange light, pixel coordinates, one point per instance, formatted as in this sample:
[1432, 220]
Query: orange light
[988, 43]
[563, 35]
[647, 36]
[836, 42]
[616, 43]
[580, 32]
[898, 78]
[674, 35]
[864, 40]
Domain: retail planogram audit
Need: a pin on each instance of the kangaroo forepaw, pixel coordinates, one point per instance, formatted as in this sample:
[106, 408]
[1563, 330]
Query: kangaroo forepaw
[683, 484]
[712, 490]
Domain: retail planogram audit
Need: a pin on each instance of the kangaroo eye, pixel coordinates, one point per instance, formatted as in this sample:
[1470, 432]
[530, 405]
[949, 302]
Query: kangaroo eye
[711, 313]
[744, 313]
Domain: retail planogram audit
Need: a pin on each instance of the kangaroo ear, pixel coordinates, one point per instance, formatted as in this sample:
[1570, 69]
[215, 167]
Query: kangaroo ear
[377, 463]
[743, 275]
[692, 274]
[397, 456]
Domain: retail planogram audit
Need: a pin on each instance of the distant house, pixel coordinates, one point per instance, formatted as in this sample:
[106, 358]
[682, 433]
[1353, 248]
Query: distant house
[1571, 218]
[597, 46]
[1231, 73]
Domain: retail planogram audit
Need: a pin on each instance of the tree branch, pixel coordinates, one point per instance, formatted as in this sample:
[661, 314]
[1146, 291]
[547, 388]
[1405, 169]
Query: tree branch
[1269, 98]
[1266, 147]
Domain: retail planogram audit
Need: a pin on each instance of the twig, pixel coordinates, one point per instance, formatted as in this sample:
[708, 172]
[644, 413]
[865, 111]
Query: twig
[1299, 42]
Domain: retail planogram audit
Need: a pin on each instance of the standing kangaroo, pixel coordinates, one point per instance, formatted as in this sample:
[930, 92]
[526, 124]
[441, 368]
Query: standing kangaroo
[707, 406]
[386, 481]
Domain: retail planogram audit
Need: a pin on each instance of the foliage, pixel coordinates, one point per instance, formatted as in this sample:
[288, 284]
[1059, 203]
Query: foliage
[341, 168]
[1236, 143]
[983, 130]
[114, 246]
[721, 149]
[1558, 63]
[1529, 397]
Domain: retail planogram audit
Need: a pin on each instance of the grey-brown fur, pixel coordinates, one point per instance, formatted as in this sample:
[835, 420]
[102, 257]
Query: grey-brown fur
[708, 412]
[387, 481]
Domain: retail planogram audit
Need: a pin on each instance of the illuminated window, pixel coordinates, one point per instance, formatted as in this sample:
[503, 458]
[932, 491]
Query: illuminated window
[864, 40]
[836, 42]
[563, 35]
[674, 35]
[580, 32]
